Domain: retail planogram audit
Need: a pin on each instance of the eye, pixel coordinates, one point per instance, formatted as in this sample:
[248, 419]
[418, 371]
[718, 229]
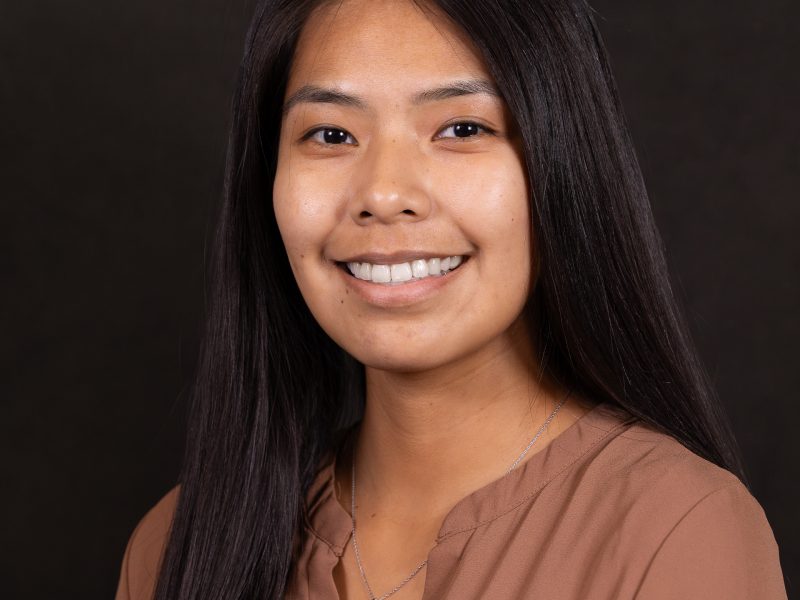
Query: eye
[464, 129]
[329, 136]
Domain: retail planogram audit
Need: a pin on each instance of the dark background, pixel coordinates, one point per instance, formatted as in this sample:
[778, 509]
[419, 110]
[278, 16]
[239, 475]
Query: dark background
[112, 141]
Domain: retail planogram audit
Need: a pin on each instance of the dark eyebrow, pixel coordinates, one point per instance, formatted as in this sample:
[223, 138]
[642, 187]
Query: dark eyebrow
[313, 93]
[456, 88]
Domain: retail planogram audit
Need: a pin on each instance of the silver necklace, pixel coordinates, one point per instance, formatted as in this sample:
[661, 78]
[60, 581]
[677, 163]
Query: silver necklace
[372, 595]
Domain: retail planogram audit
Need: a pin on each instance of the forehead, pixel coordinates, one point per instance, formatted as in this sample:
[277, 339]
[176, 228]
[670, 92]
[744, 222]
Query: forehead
[382, 46]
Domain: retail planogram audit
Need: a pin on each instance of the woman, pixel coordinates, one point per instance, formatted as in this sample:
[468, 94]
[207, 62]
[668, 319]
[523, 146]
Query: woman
[443, 359]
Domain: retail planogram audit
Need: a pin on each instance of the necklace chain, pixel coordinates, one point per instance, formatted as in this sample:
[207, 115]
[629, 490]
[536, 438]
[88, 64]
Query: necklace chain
[372, 595]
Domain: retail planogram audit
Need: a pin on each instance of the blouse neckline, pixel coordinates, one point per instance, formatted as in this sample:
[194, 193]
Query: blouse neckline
[329, 521]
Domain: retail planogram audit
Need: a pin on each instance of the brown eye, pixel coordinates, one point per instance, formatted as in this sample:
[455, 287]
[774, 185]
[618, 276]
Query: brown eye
[464, 129]
[329, 136]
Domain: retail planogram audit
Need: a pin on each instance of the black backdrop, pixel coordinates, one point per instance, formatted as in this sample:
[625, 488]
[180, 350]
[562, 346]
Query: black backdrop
[112, 134]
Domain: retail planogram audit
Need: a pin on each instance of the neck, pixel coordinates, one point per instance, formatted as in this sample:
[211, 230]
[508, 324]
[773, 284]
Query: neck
[442, 434]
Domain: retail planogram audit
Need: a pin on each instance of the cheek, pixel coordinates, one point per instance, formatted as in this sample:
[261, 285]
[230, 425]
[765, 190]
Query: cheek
[304, 210]
[490, 201]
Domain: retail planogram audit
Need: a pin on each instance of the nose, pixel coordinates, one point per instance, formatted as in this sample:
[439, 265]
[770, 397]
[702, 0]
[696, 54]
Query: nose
[389, 184]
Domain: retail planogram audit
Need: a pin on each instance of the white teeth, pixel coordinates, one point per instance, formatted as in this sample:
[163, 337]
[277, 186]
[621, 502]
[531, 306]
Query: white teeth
[364, 271]
[402, 272]
[381, 274]
[419, 268]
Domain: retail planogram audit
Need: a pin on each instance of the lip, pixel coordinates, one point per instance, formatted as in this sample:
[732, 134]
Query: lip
[400, 294]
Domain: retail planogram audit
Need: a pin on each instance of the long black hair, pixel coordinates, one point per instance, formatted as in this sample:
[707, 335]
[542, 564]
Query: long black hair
[272, 388]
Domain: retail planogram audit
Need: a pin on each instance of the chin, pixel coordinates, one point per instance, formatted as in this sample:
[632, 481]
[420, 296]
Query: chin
[402, 359]
[401, 366]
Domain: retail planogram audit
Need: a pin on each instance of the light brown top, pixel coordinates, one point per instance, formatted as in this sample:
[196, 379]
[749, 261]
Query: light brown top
[610, 509]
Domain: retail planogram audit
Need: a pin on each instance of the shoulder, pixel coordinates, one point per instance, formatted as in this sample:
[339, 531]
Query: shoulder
[707, 536]
[661, 466]
[621, 457]
[653, 469]
[722, 547]
[142, 558]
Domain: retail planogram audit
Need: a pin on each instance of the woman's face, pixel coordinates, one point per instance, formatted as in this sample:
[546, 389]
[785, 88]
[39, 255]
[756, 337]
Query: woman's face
[396, 153]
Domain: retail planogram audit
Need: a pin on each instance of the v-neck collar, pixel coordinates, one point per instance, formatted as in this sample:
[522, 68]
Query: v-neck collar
[330, 522]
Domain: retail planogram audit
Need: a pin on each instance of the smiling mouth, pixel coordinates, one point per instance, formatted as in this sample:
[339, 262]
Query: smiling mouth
[404, 272]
